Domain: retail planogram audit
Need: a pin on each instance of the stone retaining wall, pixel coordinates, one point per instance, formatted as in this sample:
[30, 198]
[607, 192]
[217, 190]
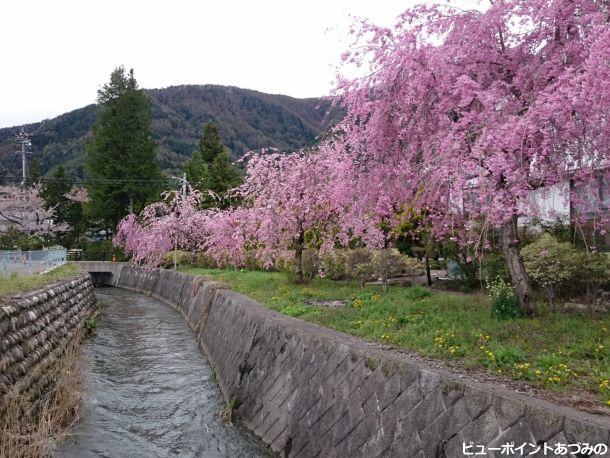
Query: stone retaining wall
[34, 329]
[308, 391]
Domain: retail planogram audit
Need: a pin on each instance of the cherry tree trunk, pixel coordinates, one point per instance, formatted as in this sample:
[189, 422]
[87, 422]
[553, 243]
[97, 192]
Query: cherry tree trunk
[428, 273]
[298, 258]
[516, 268]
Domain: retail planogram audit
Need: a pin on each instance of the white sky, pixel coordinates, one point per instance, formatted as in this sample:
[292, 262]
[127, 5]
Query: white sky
[57, 53]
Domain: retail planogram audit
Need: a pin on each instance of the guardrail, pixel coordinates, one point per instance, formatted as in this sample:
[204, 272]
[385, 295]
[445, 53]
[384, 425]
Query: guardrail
[87, 255]
[30, 262]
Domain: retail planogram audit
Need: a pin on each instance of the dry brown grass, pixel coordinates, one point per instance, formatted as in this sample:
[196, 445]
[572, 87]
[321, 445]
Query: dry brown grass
[30, 428]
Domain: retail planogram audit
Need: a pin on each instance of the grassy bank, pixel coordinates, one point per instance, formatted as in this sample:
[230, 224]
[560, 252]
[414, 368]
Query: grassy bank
[19, 283]
[562, 354]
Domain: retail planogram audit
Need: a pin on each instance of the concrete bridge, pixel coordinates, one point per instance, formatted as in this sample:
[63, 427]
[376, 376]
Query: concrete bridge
[103, 273]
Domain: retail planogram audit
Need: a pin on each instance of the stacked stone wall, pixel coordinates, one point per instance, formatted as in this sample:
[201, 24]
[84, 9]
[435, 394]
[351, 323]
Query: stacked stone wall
[35, 328]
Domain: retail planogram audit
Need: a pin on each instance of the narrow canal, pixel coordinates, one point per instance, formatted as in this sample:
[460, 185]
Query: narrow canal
[150, 392]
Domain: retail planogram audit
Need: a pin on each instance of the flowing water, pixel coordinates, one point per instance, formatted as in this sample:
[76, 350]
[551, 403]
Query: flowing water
[150, 392]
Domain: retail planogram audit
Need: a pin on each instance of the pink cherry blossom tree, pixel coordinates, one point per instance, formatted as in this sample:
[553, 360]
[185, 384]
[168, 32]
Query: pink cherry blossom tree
[488, 105]
[287, 197]
[170, 224]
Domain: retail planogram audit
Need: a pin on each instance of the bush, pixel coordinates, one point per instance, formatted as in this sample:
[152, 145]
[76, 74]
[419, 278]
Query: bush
[494, 266]
[103, 250]
[13, 238]
[591, 273]
[203, 260]
[436, 264]
[181, 257]
[284, 264]
[310, 263]
[468, 265]
[359, 264]
[550, 264]
[391, 263]
[253, 261]
[334, 265]
[504, 304]
[387, 263]
[412, 266]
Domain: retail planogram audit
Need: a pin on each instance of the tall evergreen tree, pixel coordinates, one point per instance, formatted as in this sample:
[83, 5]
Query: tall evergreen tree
[210, 168]
[210, 144]
[124, 175]
[34, 173]
[54, 192]
[221, 175]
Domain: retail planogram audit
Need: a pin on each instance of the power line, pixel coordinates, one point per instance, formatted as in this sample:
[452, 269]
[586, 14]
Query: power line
[95, 180]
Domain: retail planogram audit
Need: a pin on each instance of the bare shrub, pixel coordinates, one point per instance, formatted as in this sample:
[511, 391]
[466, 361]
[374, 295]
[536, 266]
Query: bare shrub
[390, 263]
[412, 266]
[359, 264]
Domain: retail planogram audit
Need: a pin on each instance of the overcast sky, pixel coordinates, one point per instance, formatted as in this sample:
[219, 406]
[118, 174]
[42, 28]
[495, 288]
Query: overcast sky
[57, 53]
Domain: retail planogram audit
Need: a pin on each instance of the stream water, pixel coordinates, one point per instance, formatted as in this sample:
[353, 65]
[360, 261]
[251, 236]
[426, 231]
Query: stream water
[150, 391]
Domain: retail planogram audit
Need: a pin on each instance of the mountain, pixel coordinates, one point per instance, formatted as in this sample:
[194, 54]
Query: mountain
[248, 120]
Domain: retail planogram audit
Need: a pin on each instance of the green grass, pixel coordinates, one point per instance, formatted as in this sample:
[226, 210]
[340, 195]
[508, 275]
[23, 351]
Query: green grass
[19, 283]
[556, 351]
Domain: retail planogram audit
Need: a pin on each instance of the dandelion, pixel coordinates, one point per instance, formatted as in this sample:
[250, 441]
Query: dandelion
[439, 341]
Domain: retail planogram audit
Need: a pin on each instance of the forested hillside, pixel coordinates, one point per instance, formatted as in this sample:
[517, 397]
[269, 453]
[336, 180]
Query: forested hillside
[247, 120]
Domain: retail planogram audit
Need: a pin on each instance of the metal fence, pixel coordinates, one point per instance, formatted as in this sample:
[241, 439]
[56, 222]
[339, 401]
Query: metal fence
[30, 262]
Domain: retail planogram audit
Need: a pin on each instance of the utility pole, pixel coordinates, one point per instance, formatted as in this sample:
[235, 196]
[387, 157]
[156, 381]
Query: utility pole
[23, 138]
[184, 184]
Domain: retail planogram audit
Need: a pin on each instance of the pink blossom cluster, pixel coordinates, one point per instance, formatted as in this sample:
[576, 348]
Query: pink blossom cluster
[470, 111]
[284, 197]
[25, 210]
[462, 114]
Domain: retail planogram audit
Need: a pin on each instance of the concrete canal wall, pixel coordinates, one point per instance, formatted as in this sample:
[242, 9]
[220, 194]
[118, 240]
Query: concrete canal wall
[309, 391]
[35, 327]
